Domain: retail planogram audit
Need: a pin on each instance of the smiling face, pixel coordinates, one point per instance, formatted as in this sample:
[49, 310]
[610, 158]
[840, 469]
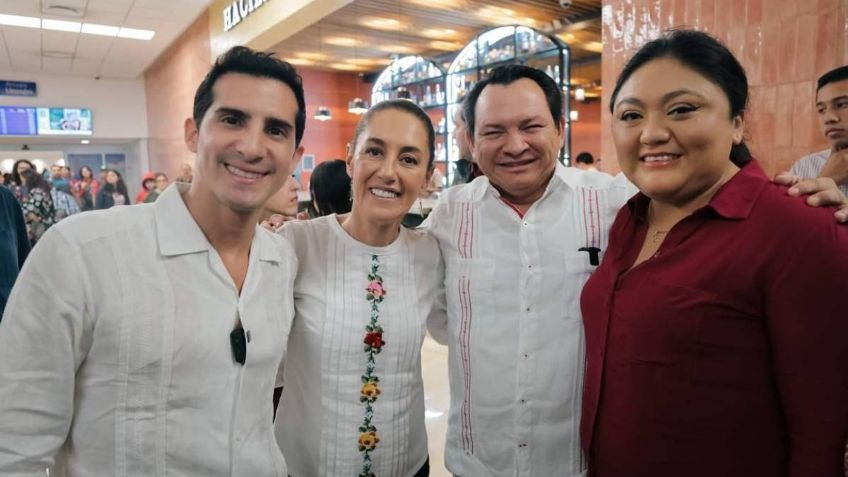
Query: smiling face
[673, 132]
[245, 144]
[516, 141]
[388, 166]
[832, 107]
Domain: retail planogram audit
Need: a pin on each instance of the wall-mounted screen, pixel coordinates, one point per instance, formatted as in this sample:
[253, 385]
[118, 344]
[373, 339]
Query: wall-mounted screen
[64, 121]
[17, 121]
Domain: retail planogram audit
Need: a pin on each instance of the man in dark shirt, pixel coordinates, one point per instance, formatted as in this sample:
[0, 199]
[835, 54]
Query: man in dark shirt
[14, 245]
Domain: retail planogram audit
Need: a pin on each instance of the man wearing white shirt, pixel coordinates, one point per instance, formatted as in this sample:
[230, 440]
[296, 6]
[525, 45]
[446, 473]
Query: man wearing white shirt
[145, 340]
[832, 108]
[518, 243]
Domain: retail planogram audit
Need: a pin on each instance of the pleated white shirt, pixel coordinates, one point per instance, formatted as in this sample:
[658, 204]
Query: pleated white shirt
[811, 165]
[513, 325]
[320, 412]
[115, 356]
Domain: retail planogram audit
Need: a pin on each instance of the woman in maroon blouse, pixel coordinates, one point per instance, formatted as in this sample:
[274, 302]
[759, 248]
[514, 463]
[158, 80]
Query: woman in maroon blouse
[717, 324]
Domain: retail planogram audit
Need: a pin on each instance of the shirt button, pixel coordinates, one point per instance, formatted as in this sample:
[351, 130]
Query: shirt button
[526, 355]
[525, 224]
[527, 309]
[521, 446]
[523, 401]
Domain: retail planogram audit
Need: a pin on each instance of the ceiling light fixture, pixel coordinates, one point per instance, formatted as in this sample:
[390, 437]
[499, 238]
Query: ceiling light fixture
[60, 25]
[340, 41]
[580, 94]
[17, 20]
[357, 106]
[135, 34]
[103, 30]
[85, 141]
[573, 115]
[323, 114]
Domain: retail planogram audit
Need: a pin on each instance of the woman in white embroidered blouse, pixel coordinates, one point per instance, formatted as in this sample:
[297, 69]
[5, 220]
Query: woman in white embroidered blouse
[353, 400]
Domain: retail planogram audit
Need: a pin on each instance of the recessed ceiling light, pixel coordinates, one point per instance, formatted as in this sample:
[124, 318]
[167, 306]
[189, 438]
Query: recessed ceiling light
[340, 41]
[104, 30]
[300, 61]
[382, 23]
[438, 33]
[344, 66]
[17, 20]
[60, 25]
[310, 55]
[135, 34]
[445, 45]
[85, 141]
[396, 49]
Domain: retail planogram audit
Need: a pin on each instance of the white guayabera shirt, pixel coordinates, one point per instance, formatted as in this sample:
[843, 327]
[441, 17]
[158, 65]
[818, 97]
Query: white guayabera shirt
[115, 355]
[513, 325]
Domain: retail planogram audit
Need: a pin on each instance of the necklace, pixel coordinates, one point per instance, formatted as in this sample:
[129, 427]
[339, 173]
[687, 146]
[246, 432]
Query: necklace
[656, 235]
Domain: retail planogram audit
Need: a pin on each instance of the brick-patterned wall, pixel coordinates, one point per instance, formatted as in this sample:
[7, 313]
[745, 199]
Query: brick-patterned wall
[170, 83]
[784, 46]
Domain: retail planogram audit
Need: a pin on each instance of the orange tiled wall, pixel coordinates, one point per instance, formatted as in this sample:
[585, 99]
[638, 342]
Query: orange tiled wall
[169, 84]
[586, 131]
[784, 46]
[328, 140]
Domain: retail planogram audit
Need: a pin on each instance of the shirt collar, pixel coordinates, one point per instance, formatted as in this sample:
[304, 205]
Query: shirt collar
[561, 175]
[178, 233]
[734, 200]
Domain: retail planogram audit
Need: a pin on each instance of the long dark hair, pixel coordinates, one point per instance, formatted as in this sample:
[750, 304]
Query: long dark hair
[90, 173]
[16, 178]
[710, 58]
[120, 187]
[34, 180]
[329, 187]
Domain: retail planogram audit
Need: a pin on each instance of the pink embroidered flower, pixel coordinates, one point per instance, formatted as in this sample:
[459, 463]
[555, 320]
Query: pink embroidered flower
[376, 288]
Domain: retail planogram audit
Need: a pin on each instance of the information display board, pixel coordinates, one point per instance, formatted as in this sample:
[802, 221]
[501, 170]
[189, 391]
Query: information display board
[64, 121]
[17, 121]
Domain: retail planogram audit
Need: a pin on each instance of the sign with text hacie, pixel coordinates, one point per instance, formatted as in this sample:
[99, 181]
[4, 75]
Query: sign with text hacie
[235, 12]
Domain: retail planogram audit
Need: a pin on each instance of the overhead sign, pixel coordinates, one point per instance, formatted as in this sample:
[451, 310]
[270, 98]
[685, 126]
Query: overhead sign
[17, 88]
[239, 10]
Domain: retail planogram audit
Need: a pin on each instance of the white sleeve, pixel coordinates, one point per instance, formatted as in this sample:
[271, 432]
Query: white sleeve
[44, 337]
[437, 320]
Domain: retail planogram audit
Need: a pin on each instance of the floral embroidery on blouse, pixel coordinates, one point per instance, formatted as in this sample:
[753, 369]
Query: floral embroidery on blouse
[370, 391]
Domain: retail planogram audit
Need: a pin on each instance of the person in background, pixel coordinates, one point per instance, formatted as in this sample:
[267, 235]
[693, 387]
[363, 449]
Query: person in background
[148, 181]
[104, 171]
[159, 185]
[329, 187]
[715, 325]
[186, 174]
[14, 243]
[7, 179]
[18, 187]
[283, 203]
[58, 180]
[353, 398]
[145, 341]
[113, 192]
[467, 168]
[85, 188]
[832, 107]
[37, 205]
[64, 203]
[585, 161]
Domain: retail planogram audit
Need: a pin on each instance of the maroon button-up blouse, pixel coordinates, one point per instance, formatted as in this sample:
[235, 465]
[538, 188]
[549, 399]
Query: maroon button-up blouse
[725, 354]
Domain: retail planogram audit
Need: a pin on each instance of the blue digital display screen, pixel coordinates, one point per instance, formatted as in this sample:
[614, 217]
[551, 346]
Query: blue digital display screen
[18, 121]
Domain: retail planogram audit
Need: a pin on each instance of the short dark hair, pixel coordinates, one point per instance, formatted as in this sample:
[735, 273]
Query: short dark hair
[584, 158]
[329, 186]
[240, 59]
[506, 75]
[832, 76]
[407, 107]
[709, 58]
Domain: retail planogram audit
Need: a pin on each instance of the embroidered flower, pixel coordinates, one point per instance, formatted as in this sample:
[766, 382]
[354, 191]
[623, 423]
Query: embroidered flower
[375, 289]
[368, 441]
[369, 391]
[374, 340]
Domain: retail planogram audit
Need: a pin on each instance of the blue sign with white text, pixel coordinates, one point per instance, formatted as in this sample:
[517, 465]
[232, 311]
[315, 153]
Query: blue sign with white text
[17, 88]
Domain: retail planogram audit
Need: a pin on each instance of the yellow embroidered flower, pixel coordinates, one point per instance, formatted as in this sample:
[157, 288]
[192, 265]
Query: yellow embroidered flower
[368, 440]
[370, 390]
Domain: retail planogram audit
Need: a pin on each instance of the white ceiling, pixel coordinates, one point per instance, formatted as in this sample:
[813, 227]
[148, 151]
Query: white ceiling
[32, 50]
